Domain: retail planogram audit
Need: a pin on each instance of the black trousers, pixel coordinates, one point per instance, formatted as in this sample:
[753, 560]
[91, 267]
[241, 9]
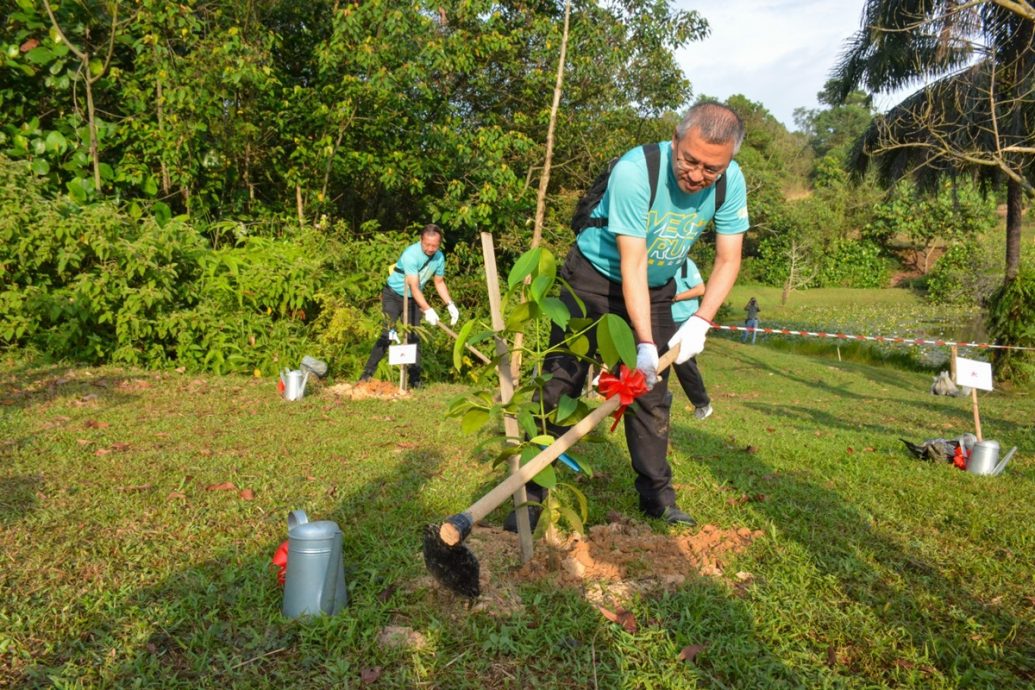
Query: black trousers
[693, 385]
[647, 420]
[392, 309]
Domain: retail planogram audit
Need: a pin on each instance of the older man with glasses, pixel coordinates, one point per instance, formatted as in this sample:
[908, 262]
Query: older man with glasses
[624, 262]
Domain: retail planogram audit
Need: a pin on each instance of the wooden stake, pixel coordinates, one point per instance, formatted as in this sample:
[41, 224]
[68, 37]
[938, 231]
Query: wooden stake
[952, 363]
[510, 424]
[404, 368]
[977, 417]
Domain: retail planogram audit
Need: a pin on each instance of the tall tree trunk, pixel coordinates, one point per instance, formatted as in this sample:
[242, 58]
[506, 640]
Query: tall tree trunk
[1014, 212]
[544, 179]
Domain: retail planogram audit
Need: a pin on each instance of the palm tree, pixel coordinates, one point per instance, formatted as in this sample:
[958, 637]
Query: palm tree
[975, 112]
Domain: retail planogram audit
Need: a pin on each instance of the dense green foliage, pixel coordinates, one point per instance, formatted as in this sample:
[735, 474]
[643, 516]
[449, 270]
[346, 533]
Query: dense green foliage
[1011, 319]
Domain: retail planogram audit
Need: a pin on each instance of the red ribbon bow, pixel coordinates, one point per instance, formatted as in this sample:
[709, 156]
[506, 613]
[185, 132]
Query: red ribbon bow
[628, 385]
[280, 560]
[959, 457]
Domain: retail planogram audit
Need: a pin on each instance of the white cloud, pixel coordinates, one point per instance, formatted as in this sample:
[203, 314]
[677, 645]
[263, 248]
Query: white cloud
[776, 52]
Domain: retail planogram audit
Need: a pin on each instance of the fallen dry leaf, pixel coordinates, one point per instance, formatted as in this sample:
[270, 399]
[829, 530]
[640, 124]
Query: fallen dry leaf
[29, 45]
[689, 652]
[83, 441]
[120, 445]
[831, 656]
[850, 450]
[770, 429]
[406, 444]
[622, 617]
[102, 451]
[369, 675]
[94, 424]
[225, 486]
[751, 450]
[247, 495]
[175, 495]
[131, 489]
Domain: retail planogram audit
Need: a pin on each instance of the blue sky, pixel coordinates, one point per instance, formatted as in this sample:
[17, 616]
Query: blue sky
[777, 52]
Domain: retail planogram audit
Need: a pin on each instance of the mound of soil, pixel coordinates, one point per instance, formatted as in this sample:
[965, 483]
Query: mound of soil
[611, 565]
[365, 390]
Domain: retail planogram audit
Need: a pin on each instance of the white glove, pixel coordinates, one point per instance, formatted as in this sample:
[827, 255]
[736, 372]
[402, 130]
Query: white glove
[454, 313]
[647, 362]
[431, 316]
[393, 337]
[690, 338]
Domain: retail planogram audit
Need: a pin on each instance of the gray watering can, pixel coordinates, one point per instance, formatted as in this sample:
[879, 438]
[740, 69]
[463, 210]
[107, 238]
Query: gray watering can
[315, 580]
[294, 381]
[984, 458]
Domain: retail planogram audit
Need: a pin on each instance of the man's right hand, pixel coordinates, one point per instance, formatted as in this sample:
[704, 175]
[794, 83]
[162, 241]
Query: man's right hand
[431, 316]
[647, 362]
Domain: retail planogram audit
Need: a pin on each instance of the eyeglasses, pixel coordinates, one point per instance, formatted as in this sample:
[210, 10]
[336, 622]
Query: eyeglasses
[708, 172]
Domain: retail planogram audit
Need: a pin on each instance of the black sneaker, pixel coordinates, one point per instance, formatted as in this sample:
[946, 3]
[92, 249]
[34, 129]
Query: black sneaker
[364, 378]
[510, 522]
[674, 516]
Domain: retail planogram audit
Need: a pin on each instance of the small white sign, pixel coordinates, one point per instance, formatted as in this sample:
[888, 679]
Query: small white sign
[970, 372]
[402, 354]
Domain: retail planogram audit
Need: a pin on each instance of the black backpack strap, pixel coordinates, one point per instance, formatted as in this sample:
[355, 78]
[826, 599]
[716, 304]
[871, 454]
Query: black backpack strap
[652, 155]
[720, 192]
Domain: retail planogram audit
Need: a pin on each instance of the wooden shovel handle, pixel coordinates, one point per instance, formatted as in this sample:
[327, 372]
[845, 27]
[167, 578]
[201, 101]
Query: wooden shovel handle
[492, 500]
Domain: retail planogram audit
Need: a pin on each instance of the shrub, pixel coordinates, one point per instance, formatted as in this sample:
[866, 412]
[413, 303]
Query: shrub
[853, 264]
[967, 273]
[1011, 321]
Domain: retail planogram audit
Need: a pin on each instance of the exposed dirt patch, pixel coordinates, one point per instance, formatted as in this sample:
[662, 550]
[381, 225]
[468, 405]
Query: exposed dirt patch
[613, 564]
[366, 390]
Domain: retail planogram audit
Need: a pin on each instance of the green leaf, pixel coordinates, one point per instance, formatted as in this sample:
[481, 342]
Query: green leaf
[40, 166]
[150, 186]
[458, 346]
[547, 477]
[573, 520]
[615, 341]
[565, 407]
[474, 419]
[523, 267]
[527, 422]
[542, 440]
[96, 67]
[40, 55]
[580, 346]
[555, 309]
[540, 286]
[520, 315]
[56, 142]
[162, 213]
[548, 265]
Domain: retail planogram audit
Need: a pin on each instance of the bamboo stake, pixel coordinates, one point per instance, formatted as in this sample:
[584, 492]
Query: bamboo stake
[977, 417]
[406, 335]
[510, 424]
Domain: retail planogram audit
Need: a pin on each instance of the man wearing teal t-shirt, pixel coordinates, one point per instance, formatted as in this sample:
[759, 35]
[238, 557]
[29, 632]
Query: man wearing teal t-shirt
[420, 262]
[690, 286]
[625, 265]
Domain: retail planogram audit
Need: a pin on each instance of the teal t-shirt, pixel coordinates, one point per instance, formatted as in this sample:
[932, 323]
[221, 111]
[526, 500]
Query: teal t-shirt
[673, 224]
[415, 262]
[687, 277]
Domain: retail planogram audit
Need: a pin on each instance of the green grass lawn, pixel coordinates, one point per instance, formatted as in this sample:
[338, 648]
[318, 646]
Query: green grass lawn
[124, 566]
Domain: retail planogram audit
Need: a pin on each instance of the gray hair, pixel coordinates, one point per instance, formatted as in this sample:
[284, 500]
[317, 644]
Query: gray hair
[717, 124]
[431, 229]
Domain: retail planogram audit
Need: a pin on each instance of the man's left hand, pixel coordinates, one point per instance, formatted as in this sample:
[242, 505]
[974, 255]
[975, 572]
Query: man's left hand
[690, 338]
[454, 313]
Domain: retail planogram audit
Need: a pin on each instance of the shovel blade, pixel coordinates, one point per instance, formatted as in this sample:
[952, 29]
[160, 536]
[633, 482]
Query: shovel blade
[455, 567]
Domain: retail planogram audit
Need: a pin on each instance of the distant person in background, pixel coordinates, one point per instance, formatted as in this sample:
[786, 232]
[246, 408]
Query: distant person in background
[751, 321]
[419, 263]
[690, 286]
